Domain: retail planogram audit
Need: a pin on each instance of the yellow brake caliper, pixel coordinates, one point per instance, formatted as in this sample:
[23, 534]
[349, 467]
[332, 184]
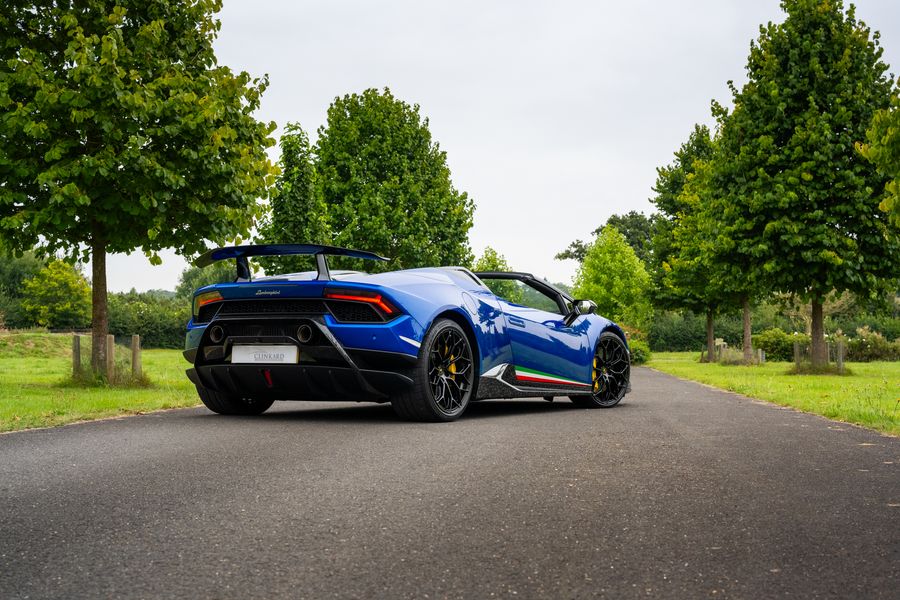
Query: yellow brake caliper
[594, 376]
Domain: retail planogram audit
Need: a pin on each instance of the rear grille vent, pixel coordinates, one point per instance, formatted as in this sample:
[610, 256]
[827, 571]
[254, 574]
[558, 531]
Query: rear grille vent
[207, 312]
[354, 312]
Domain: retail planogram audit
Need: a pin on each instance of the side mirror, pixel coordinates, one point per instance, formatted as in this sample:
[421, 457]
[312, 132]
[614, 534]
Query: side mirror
[585, 307]
[580, 307]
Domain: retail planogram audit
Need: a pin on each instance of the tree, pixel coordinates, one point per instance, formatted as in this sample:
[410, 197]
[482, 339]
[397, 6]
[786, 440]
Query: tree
[57, 297]
[386, 184]
[491, 260]
[798, 205]
[635, 226]
[615, 278]
[195, 277]
[298, 212]
[883, 149]
[14, 271]
[681, 269]
[120, 131]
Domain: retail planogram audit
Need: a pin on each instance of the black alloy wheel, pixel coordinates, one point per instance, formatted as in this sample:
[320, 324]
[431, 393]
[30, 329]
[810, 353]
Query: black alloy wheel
[450, 371]
[610, 373]
[444, 379]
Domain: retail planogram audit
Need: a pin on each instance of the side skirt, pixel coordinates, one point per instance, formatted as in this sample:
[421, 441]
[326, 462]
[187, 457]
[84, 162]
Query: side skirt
[500, 382]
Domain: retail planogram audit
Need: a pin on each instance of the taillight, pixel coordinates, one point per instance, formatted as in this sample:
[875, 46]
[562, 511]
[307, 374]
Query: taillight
[201, 300]
[373, 298]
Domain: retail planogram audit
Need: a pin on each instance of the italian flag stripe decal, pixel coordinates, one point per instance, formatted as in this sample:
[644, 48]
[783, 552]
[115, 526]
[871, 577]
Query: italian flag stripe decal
[525, 374]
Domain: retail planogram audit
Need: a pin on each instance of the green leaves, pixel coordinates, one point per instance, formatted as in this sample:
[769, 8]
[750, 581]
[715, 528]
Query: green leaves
[682, 238]
[790, 192]
[57, 297]
[883, 150]
[123, 128]
[615, 278]
[375, 180]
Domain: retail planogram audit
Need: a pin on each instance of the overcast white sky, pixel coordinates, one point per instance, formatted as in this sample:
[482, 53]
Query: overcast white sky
[554, 115]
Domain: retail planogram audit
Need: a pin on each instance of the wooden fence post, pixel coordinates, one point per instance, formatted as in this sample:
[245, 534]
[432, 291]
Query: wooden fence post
[76, 355]
[110, 358]
[136, 356]
[797, 354]
[840, 356]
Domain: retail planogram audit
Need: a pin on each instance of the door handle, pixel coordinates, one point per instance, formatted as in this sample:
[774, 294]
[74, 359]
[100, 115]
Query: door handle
[516, 321]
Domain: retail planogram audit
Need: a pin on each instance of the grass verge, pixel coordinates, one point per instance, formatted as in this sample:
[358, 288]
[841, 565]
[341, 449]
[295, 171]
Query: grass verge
[38, 391]
[869, 397]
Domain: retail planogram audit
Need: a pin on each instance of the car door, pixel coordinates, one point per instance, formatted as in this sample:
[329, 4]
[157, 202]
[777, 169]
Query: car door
[544, 347]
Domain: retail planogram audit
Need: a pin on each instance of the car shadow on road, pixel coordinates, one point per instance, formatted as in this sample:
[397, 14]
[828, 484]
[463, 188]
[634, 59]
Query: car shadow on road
[375, 413]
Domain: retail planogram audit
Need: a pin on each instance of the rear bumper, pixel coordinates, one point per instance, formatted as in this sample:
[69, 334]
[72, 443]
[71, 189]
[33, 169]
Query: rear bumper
[300, 382]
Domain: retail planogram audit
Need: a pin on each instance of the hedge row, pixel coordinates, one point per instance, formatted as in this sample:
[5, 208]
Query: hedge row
[865, 346]
[686, 332]
[161, 322]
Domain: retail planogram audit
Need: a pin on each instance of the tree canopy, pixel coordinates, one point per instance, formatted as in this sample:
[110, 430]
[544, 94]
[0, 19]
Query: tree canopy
[680, 275]
[15, 270]
[491, 260]
[120, 131]
[196, 277]
[615, 278]
[883, 149]
[386, 184]
[635, 226]
[57, 297]
[298, 212]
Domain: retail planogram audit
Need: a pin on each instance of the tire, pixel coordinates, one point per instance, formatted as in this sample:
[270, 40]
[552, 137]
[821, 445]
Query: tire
[227, 404]
[443, 380]
[611, 373]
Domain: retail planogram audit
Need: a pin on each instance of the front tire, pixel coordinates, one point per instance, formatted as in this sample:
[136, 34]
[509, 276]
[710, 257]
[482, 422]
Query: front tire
[227, 404]
[443, 379]
[610, 373]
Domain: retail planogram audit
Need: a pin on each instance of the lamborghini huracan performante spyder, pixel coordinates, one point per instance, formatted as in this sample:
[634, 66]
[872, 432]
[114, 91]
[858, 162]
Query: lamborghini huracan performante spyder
[429, 341]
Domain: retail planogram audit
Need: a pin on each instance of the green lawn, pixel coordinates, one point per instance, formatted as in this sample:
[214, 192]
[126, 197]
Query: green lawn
[869, 397]
[33, 392]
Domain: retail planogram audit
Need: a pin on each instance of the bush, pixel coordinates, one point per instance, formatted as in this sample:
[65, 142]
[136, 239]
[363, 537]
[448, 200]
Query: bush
[640, 351]
[888, 326]
[870, 346]
[778, 344]
[161, 322]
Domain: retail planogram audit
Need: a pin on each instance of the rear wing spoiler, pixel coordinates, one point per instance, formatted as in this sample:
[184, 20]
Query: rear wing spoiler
[241, 254]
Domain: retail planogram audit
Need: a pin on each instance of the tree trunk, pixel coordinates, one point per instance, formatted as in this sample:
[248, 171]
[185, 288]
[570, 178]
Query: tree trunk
[99, 316]
[748, 341]
[710, 336]
[819, 350]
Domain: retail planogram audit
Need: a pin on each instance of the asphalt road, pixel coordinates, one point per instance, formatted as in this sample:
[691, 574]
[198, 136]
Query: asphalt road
[681, 491]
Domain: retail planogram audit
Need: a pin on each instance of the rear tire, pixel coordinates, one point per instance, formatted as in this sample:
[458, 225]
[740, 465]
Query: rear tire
[610, 374]
[228, 404]
[444, 378]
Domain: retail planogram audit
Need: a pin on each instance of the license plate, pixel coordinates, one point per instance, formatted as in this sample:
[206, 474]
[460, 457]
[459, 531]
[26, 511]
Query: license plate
[264, 354]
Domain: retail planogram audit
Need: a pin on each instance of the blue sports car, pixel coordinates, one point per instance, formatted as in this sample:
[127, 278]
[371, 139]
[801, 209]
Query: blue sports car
[429, 341]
